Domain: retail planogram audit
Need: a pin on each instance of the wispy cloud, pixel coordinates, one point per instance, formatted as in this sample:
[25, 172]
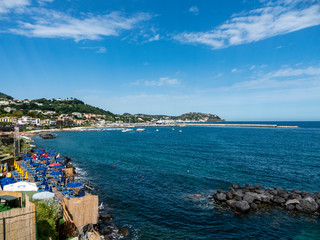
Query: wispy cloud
[234, 70]
[194, 10]
[163, 81]
[275, 18]
[96, 49]
[8, 5]
[54, 24]
[283, 78]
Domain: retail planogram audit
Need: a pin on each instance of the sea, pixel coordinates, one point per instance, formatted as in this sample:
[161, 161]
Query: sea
[148, 180]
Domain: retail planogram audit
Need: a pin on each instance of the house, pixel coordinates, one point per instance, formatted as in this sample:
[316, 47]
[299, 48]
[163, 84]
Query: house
[9, 109]
[8, 120]
[77, 114]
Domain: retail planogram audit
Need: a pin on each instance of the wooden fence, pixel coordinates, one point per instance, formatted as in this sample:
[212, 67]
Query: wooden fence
[18, 223]
[81, 211]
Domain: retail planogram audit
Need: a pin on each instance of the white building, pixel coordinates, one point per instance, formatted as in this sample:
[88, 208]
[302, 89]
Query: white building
[3, 103]
[9, 109]
[77, 114]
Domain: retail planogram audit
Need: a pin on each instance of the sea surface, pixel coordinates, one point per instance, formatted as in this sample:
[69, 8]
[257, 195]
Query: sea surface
[148, 179]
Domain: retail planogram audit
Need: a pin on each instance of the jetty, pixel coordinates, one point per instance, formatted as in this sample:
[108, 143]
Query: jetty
[239, 125]
[252, 198]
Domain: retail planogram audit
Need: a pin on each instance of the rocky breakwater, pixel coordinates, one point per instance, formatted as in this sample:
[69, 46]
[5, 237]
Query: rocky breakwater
[252, 198]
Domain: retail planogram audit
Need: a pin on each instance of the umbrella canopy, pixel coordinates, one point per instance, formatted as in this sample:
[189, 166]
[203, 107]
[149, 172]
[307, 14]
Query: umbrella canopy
[43, 195]
[41, 168]
[54, 164]
[58, 166]
[21, 186]
[74, 185]
[56, 173]
[35, 164]
[60, 159]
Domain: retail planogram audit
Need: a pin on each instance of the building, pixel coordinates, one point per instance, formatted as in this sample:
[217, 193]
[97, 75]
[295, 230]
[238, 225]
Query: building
[25, 120]
[77, 114]
[9, 109]
[8, 120]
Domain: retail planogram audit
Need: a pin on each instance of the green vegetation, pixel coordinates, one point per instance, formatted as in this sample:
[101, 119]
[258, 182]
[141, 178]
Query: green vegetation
[36, 109]
[2, 95]
[49, 214]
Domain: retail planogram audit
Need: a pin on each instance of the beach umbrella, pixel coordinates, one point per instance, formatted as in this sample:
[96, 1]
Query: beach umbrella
[26, 176]
[21, 186]
[46, 188]
[55, 173]
[58, 166]
[50, 189]
[43, 195]
[74, 185]
[62, 179]
[41, 168]
[36, 178]
[54, 164]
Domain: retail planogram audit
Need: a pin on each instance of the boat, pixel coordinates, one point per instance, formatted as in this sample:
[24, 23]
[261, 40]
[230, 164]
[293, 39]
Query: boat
[180, 130]
[140, 129]
[127, 130]
[157, 130]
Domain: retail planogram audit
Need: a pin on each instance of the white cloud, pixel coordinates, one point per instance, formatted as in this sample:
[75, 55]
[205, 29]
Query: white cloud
[234, 70]
[43, 2]
[162, 81]
[154, 38]
[282, 78]
[252, 67]
[272, 20]
[7, 5]
[54, 24]
[194, 10]
[96, 49]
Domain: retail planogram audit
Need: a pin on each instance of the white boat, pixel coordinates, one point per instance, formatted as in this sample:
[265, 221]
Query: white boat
[180, 130]
[157, 130]
[127, 130]
[140, 129]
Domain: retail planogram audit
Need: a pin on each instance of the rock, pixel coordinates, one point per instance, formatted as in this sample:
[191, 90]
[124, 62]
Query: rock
[308, 204]
[307, 194]
[123, 232]
[248, 198]
[221, 197]
[278, 200]
[260, 191]
[239, 193]
[296, 191]
[317, 195]
[295, 196]
[242, 206]
[318, 202]
[221, 191]
[258, 187]
[230, 202]
[238, 198]
[235, 186]
[106, 230]
[255, 196]
[106, 217]
[298, 207]
[254, 206]
[290, 207]
[274, 192]
[265, 198]
[292, 201]
[229, 195]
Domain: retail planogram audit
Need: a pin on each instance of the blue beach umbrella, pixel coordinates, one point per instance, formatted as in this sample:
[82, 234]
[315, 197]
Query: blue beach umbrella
[36, 178]
[55, 173]
[50, 189]
[58, 166]
[46, 188]
[74, 185]
[41, 168]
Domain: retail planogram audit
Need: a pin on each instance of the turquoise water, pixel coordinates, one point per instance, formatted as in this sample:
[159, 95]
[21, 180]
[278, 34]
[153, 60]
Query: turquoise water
[176, 165]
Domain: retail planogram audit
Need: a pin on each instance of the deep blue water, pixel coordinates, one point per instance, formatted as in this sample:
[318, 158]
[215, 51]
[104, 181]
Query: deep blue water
[176, 165]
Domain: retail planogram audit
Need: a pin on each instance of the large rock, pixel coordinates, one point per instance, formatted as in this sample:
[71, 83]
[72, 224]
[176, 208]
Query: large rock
[260, 191]
[292, 201]
[278, 200]
[229, 195]
[239, 193]
[255, 196]
[248, 198]
[265, 198]
[254, 206]
[219, 197]
[290, 207]
[308, 204]
[241, 206]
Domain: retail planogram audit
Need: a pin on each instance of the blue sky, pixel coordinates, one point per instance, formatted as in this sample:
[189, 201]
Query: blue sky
[242, 60]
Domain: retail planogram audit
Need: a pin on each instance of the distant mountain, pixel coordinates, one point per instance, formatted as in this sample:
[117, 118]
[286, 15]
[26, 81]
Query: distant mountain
[2, 95]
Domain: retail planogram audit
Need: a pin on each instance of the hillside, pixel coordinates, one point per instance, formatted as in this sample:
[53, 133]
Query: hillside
[2, 95]
[52, 108]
